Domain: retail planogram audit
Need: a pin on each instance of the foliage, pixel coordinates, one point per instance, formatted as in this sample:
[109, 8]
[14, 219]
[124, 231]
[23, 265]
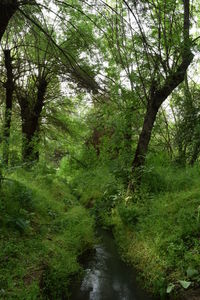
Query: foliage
[162, 175]
[100, 116]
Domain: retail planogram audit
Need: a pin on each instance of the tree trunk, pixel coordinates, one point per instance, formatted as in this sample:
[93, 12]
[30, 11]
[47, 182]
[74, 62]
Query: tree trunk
[145, 137]
[31, 115]
[30, 131]
[8, 109]
[158, 96]
[7, 10]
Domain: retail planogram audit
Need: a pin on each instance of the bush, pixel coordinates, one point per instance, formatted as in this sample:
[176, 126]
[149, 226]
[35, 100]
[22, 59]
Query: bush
[16, 205]
[129, 214]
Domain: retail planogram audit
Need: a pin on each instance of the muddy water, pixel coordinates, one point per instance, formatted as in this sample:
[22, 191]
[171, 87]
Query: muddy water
[107, 277]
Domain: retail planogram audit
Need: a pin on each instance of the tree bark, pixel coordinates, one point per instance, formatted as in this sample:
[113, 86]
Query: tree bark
[7, 10]
[9, 85]
[31, 115]
[159, 95]
[145, 136]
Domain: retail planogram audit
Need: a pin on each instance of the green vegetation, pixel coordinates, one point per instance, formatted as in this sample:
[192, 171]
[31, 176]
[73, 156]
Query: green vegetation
[157, 228]
[159, 234]
[100, 124]
[44, 232]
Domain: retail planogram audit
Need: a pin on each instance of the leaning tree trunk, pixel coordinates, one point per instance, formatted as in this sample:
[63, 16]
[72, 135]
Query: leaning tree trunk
[7, 10]
[31, 115]
[145, 137]
[9, 85]
[158, 96]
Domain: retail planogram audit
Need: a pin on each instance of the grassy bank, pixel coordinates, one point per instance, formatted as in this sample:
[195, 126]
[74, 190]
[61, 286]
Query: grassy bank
[43, 233]
[158, 232]
[157, 228]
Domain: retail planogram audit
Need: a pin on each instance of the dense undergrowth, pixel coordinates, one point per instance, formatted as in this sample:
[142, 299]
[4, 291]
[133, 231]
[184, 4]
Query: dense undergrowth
[157, 228]
[46, 225]
[159, 232]
[44, 231]
[161, 239]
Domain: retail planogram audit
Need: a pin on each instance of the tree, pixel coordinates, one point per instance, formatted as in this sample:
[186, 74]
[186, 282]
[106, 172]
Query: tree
[36, 67]
[41, 62]
[158, 94]
[9, 86]
[157, 59]
[7, 9]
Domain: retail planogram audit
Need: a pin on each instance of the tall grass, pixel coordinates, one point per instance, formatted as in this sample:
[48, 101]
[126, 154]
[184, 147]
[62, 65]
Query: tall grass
[162, 175]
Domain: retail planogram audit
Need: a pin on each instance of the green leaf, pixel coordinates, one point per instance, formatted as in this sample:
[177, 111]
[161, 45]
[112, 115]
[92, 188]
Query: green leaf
[170, 287]
[191, 272]
[185, 284]
[21, 224]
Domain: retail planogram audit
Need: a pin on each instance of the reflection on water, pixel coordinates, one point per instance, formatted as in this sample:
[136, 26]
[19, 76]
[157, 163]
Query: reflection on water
[107, 277]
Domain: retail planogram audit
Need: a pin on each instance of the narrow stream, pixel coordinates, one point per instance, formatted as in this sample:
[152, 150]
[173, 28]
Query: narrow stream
[107, 277]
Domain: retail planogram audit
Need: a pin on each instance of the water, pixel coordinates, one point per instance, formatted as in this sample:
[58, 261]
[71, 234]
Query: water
[107, 277]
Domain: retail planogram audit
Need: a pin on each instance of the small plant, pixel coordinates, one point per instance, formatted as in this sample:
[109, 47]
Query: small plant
[129, 214]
